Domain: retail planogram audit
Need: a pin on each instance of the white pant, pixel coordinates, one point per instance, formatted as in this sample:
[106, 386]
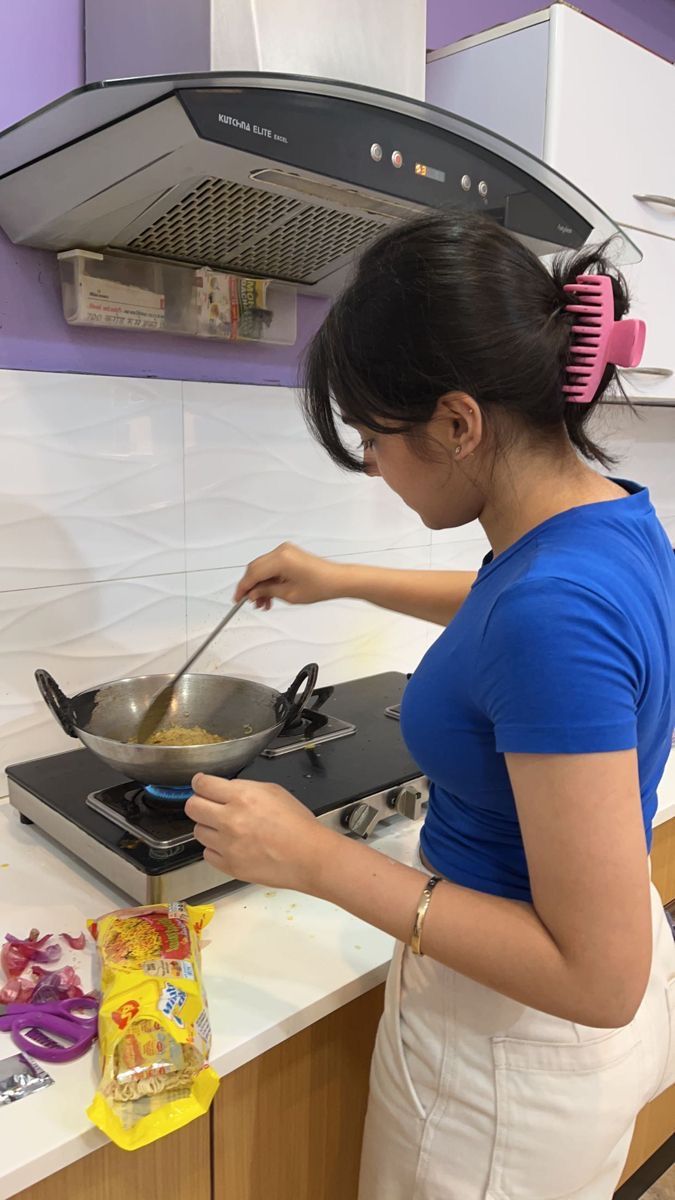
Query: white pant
[476, 1097]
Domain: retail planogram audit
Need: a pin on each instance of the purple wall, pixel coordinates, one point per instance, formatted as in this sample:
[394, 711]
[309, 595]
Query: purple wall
[146, 37]
[650, 22]
[34, 335]
[41, 54]
[41, 57]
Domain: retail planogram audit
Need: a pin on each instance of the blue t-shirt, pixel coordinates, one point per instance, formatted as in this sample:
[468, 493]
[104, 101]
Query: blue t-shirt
[565, 645]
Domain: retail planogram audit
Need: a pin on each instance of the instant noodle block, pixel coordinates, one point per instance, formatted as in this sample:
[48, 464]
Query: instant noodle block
[154, 1032]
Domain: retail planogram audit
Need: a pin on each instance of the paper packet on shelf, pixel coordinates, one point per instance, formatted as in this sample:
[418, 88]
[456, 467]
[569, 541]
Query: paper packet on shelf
[230, 306]
[154, 1032]
[104, 290]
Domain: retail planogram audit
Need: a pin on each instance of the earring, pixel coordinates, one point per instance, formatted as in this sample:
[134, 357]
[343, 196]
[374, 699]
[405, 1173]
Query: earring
[458, 449]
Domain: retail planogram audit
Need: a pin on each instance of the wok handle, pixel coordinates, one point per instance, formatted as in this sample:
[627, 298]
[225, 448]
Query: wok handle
[308, 676]
[57, 702]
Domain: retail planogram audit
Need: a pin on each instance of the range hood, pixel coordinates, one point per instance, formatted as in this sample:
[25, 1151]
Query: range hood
[280, 176]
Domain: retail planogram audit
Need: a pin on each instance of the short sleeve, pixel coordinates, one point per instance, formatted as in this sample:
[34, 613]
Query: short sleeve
[561, 671]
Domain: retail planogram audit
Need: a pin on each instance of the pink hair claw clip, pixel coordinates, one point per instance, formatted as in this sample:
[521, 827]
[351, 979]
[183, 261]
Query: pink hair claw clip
[597, 339]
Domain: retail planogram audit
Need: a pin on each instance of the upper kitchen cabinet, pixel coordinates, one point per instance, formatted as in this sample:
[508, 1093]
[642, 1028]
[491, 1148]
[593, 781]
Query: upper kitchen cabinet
[652, 290]
[610, 107]
[597, 107]
[649, 22]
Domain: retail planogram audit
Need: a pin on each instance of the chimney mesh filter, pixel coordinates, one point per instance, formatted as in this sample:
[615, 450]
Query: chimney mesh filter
[228, 225]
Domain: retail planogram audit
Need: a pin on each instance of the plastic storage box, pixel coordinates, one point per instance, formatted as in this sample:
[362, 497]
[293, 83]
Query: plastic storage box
[120, 292]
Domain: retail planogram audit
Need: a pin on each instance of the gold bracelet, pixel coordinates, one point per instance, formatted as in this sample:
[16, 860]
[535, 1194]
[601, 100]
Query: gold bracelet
[418, 926]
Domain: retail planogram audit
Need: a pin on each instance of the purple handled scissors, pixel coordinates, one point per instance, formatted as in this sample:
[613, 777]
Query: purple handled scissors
[74, 1022]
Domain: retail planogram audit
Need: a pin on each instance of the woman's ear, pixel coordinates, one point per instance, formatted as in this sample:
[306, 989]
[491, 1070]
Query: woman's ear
[463, 421]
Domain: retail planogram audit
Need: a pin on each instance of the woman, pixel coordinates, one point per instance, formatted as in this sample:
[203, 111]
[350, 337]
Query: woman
[531, 1002]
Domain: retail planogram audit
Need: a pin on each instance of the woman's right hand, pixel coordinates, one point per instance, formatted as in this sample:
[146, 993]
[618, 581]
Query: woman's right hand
[291, 574]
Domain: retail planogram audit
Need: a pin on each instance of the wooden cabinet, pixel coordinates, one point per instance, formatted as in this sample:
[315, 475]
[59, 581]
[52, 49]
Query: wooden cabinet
[175, 1168]
[656, 1122]
[663, 860]
[655, 1125]
[289, 1125]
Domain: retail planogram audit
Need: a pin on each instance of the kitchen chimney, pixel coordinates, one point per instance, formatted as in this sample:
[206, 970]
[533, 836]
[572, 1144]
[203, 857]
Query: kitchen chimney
[374, 43]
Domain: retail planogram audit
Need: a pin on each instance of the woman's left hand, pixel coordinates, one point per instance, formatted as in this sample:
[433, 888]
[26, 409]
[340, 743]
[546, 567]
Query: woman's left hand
[255, 832]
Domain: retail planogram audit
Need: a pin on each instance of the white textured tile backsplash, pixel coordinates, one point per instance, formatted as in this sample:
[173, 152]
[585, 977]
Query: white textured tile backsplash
[460, 555]
[347, 638]
[92, 478]
[643, 443]
[83, 634]
[254, 478]
[130, 506]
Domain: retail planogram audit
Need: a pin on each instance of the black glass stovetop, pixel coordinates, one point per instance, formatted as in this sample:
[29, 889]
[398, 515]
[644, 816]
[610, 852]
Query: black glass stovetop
[328, 777]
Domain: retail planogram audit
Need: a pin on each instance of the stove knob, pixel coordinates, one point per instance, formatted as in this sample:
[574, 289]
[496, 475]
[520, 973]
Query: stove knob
[362, 819]
[408, 802]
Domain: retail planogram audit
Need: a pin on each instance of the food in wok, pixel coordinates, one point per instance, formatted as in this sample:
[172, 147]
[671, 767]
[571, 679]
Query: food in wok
[182, 735]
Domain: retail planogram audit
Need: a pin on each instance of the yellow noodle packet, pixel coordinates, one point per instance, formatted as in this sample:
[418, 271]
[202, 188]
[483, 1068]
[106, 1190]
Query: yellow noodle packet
[153, 1027]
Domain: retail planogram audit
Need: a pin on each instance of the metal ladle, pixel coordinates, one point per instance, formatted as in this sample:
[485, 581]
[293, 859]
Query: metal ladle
[157, 710]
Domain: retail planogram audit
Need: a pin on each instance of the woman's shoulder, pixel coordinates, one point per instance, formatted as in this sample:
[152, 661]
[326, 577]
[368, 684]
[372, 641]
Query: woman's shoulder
[567, 600]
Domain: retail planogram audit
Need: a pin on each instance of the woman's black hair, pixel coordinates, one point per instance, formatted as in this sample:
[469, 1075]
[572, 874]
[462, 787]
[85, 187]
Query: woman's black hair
[451, 302]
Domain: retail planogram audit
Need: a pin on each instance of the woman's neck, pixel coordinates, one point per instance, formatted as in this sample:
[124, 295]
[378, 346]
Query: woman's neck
[525, 492]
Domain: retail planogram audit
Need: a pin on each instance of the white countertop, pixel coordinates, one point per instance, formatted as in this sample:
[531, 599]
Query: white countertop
[274, 963]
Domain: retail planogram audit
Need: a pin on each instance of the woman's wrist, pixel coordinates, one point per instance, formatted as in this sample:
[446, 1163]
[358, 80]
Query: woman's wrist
[360, 879]
[318, 851]
[350, 581]
[343, 581]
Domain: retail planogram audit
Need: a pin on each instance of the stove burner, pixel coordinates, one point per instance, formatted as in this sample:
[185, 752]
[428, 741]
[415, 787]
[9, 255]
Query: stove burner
[158, 821]
[171, 795]
[310, 728]
[145, 846]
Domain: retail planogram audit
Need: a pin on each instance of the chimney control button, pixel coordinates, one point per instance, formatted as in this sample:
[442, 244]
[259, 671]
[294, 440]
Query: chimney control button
[376, 152]
[397, 158]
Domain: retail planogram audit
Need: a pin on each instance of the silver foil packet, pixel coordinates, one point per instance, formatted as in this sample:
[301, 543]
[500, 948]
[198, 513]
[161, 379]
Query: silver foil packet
[20, 1075]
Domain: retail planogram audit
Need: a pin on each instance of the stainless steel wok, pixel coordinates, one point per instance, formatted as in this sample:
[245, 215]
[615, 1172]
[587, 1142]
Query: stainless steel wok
[105, 718]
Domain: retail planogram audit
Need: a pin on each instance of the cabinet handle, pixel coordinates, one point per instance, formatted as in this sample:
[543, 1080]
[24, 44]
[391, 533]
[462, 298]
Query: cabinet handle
[649, 199]
[662, 372]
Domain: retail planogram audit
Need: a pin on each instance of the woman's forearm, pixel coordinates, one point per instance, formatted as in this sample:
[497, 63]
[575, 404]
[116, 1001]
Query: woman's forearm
[497, 942]
[434, 596]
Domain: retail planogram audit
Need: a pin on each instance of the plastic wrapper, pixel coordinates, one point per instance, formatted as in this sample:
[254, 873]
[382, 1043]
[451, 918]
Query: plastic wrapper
[154, 1032]
[25, 963]
[20, 1076]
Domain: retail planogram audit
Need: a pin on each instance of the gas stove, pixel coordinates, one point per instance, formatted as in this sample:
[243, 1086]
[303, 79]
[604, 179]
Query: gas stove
[345, 760]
